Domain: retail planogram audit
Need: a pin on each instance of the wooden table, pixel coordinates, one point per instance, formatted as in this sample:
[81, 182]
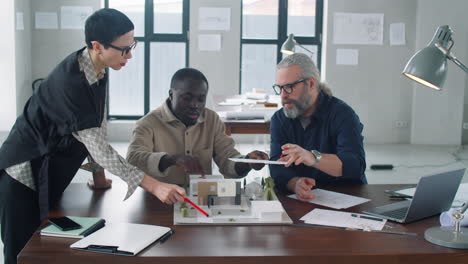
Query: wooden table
[240, 244]
[241, 126]
[247, 127]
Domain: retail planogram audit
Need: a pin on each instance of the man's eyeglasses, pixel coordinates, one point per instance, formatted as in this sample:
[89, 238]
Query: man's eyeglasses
[124, 50]
[287, 88]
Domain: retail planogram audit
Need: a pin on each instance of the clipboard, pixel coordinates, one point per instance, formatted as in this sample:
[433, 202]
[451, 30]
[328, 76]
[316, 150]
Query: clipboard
[123, 238]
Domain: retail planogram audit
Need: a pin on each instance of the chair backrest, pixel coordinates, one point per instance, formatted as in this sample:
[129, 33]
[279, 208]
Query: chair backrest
[37, 83]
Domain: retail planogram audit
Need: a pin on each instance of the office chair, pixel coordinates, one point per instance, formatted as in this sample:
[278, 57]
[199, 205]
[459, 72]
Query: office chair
[36, 84]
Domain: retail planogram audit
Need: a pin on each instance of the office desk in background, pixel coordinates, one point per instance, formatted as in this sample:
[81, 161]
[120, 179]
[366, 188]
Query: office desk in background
[247, 127]
[256, 126]
[240, 244]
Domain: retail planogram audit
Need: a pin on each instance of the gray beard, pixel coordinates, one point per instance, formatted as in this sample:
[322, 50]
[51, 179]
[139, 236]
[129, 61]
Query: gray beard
[299, 107]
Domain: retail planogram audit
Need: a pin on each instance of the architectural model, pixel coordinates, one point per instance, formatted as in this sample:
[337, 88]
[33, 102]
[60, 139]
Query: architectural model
[228, 202]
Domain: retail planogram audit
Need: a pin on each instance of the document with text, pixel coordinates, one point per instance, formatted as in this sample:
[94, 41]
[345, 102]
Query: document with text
[343, 219]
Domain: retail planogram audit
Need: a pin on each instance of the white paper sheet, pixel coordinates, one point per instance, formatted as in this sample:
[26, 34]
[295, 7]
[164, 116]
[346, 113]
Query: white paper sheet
[460, 198]
[214, 18]
[46, 20]
[74, 17]
[397, 34]
[209, 42]
[343, 219]
[347, 57]
[333, 199]
[258, 161]
[19, 21]
[358, 28]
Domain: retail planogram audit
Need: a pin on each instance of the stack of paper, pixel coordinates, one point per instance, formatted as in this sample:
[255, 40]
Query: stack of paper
[333, 199]
[343, 219]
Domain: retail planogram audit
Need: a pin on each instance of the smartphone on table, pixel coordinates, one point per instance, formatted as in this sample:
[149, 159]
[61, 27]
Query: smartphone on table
[64, 223]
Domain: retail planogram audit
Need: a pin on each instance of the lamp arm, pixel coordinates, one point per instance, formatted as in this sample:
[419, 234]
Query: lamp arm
[452, 57]
[304, 48]
[459, 63]
[463, 208]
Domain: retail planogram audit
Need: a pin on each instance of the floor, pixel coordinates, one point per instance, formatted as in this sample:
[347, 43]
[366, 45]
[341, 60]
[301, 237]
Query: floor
[410, 163]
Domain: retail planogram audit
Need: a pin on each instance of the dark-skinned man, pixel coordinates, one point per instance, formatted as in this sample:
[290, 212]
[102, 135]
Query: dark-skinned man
[181, 137]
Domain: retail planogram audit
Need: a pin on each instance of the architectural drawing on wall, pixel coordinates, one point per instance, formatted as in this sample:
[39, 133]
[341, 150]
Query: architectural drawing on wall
[227, 203]
[214, 18]
[358, 28]
[46, 20]
[19, 21]
[397, 34]
[74, 17]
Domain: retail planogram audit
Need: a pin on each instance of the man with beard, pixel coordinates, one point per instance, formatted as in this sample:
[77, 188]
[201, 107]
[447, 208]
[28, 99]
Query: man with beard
[181, 137]
[318, 135]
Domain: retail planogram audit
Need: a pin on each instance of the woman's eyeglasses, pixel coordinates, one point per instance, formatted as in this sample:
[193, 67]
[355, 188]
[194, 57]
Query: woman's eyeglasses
[124, 50]
[287, 88]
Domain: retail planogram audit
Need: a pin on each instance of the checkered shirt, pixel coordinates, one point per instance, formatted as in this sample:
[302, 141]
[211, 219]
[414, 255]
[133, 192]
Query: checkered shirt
[95, 140]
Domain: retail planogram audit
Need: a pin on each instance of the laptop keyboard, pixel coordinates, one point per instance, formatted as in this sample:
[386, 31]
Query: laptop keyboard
[399, 213]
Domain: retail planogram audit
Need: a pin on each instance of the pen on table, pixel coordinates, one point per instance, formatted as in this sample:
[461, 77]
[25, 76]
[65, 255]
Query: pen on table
[196, 207]
[282, 155]
[359, 229]
[166, 236]
[400, 197]
[367, 217]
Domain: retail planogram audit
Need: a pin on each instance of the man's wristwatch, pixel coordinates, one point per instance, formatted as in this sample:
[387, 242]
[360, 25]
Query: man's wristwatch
[318, 157]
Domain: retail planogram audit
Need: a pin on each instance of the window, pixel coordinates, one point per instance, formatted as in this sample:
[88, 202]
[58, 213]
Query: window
[161, 28]
[265, 26]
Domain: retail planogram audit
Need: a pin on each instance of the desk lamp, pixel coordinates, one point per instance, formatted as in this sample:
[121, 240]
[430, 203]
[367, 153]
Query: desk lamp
[429, 67]
[289, 46]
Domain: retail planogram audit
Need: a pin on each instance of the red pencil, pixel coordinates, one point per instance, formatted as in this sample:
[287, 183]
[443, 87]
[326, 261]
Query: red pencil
[196, 207]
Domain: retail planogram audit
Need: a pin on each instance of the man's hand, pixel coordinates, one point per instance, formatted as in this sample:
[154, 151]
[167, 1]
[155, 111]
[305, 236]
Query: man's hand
[167, 193]
[301, 186]
[294, 154]
[259, 155]
[99, 181]
[190, 164]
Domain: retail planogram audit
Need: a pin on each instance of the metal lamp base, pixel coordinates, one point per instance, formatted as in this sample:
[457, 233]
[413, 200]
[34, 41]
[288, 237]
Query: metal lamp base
[447, 237]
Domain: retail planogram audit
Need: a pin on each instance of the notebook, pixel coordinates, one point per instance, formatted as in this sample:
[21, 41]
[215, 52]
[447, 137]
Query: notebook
[434, 194]
[123, 238]
[89, 225]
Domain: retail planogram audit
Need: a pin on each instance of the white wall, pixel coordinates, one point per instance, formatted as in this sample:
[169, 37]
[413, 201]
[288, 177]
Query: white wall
[51, 46]
[7, 66]
[221, 68]
[23, 56]
[437, 116]
[375, 87]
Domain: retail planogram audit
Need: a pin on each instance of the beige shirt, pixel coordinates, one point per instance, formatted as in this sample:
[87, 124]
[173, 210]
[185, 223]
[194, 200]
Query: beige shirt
[160, 133]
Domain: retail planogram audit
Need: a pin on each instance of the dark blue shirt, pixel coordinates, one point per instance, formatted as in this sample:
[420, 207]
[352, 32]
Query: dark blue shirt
[334, 129]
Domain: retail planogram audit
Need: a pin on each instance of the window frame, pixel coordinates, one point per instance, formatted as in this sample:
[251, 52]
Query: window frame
[146, 40]
[283, 34]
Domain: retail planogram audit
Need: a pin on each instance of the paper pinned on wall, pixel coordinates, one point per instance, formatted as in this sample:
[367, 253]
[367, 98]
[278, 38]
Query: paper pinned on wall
[358, 28]
[19, 21]
[74, 17]
[397, 34]
[46, 20]
[209, 42]
[214, 18]
[347, 56]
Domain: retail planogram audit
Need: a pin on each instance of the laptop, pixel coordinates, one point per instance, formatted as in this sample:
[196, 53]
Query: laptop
[433, 195]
